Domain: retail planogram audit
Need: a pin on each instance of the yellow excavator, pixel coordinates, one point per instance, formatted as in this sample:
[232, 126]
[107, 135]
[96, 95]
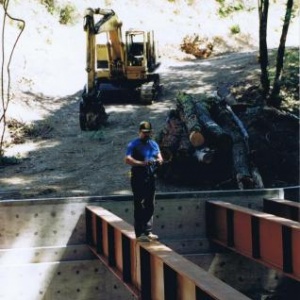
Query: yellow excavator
[115, 68]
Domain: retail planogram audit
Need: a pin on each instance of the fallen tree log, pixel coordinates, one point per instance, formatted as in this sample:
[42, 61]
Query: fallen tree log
[201, 128]
[208, 131]
[257, 179]
[215, 136]
[230, 123]
[173, 138]
[187, 113]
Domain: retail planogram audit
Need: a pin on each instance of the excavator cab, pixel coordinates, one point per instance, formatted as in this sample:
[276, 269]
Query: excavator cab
[135, 42]
[115, 68]
[141, 49]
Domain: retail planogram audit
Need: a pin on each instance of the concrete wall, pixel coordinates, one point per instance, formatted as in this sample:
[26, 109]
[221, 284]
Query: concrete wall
[42, 241]
[43, 254]
[179, 218]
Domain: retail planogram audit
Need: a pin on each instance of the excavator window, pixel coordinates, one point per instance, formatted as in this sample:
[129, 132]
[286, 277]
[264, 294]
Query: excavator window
[136, 54]
[135, 49]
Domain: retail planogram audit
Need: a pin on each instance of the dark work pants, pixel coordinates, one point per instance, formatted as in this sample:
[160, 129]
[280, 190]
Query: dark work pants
[144, 197]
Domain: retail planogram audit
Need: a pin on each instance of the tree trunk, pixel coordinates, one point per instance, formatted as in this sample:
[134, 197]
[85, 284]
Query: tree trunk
[263, 7]
[173, 138]
[200, 126]
[239, 147]
[222, 131]
[257, 179]
[187, 113]
[213, 133]
[274, 98]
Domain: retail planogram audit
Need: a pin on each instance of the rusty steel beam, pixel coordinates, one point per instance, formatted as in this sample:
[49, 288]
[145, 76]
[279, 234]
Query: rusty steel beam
[149, 270]
[282, 208]
[268, 239]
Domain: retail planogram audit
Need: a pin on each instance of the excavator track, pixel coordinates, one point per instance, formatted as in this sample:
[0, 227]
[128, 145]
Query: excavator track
[150, 91]
[146, 95]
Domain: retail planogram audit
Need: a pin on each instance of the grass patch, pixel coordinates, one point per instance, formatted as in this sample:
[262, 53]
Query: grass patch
[227, 9]
[235, 29]
[67, 14]
[19, 131]
[250, 92]
[289, 91]
[9, 160]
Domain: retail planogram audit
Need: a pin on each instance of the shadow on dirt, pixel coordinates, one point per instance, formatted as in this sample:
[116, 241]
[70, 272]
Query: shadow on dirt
[69, 162]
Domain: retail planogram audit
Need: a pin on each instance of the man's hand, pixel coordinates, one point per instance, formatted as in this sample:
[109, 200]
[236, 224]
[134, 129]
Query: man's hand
[160, 161]
[150, 162]
[154, 162]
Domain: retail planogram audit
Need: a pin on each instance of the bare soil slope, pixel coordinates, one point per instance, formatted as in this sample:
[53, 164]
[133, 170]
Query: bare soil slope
[64, 161]
[57, 158]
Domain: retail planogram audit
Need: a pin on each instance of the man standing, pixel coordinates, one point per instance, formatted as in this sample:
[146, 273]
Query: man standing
[143, 155]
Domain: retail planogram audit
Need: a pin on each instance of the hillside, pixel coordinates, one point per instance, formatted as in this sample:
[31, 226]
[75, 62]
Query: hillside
[50, 56]
[56, 159]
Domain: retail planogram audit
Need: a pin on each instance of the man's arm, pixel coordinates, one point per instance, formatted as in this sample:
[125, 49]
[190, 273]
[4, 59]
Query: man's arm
[129, 160]
[159, 158]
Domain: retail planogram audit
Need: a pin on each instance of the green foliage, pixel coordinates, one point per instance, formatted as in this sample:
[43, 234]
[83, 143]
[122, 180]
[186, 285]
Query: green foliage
[20, 25]
[19, 131]
[40, 129]
[291, 70]
[95, 135]
[235, 29]
[226, 9]
[9, 160]
[190, 2]
[295, 11]
[289, 92]
[67, 14]
[50, 5]
[290, 76]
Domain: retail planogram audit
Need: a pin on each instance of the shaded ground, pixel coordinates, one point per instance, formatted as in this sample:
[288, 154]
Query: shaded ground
[59, 160]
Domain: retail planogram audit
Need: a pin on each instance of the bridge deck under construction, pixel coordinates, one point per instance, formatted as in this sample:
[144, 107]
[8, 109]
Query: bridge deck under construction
[59, 243]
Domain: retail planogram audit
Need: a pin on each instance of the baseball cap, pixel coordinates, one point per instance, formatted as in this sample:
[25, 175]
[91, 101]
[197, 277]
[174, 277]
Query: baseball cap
[145, 126]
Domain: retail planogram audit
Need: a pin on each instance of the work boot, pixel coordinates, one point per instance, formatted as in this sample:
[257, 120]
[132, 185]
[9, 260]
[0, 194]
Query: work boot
[152, 237]
[143, 238]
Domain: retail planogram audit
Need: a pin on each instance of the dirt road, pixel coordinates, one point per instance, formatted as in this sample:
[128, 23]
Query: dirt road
[64, 161]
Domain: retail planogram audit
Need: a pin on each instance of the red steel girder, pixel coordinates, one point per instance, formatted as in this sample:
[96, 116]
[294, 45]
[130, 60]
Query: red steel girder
[271, 240]
[150, 270]
[282, 208]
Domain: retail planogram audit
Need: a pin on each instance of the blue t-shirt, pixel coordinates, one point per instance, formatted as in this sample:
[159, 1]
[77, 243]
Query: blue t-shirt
[143, 150]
